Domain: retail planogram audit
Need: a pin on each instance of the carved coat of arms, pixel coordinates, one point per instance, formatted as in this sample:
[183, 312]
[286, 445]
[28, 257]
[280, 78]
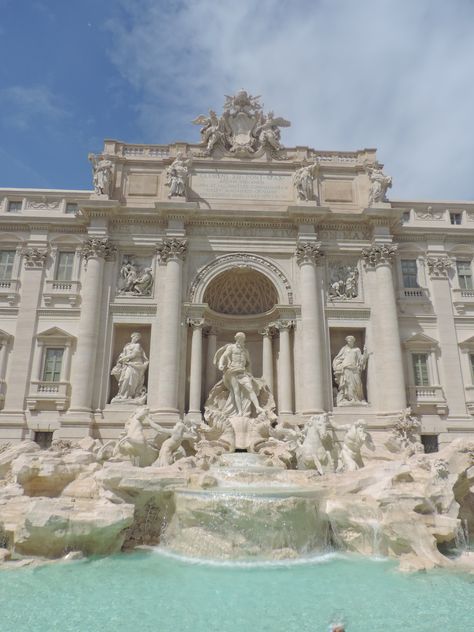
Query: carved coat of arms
[243, 129]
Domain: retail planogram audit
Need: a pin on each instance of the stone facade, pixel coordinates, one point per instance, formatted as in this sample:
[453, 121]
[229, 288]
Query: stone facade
[187, 244]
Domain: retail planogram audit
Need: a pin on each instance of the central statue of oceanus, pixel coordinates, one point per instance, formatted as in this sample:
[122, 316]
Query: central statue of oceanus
[239, 396]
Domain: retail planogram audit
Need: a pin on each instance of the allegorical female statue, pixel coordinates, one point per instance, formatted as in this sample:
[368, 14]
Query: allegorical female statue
[129, 371]
[348, 366]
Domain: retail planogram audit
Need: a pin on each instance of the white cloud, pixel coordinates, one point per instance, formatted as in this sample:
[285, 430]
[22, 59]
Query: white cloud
[24, 106]
[394, 74]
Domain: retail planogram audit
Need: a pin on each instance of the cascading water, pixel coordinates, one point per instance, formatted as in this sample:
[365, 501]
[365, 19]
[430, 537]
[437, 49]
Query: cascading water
[254, 511]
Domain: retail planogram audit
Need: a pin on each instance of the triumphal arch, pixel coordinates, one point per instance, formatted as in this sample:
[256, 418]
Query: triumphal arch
[351, 303]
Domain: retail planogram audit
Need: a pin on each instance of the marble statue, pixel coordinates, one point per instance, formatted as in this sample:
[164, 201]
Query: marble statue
[242, 130]
[379, 183]
[102, 174]
[135, 280]
[303, 182]
[129, 371]
[213, 132]
[172, 449]
[216, 439]
[278, 444]
[355, 438]
[348, 366]
[134, 444]
[319, 449]
[177, 176]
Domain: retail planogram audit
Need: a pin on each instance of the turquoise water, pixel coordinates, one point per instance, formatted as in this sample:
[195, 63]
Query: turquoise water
[147, 592]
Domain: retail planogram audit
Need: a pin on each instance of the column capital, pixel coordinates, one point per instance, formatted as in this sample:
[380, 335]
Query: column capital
[34, 257]
[100, 247]
[267, 331]
[209, 329]
[439, 267]
[196, 323]
[171, 249]
[308, 252]
[379, 254]
[284, 324]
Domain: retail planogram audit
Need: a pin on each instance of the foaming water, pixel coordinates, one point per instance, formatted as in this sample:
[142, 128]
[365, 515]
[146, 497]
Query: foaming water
[155, 592]
[308, 560]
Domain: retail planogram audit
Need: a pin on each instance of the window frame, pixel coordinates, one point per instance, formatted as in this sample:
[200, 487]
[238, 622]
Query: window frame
[406, 275]
[464, 276]
[45, 360]
[426, 355]
[71, 266]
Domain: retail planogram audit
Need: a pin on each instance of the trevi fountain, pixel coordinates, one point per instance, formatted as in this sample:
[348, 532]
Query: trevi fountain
[204, 493]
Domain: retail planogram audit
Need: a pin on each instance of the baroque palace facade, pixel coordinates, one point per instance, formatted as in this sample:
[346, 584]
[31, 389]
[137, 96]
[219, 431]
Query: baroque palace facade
[187, 244]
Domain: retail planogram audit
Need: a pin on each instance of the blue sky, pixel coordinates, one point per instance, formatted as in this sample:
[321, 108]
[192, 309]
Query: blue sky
[393, 74]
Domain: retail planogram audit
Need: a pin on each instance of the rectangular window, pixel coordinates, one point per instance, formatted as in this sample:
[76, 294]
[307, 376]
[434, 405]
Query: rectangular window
[65, 266]
[430, 443]
[464, 274]
[71, 207]
[52, 365]
[409, 272]
[7, 257]
[455, 218]
[405, 217]
[420, 369]
[14, 206]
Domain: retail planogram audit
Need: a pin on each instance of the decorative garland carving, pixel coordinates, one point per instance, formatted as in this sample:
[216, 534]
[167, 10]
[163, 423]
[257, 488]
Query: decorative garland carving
[98, 247]
[240, 260]
[379, 254]
[172, 249]
[34, 257]
[438, 267]
[308, 252]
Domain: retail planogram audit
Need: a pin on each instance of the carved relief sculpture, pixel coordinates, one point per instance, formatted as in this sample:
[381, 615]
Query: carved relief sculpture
[343, 281]
[348, 366]
[303, 182]
[102, 174]
[177, 176]
[129, 371]
[35, 257]
[135, 278]
[379, 183]
[242, 130]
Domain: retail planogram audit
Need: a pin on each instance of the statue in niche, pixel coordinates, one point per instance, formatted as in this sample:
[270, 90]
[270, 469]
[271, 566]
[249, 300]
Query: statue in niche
[135, 279]
[319, 449]
[177, 176]
[303, 182]
[240, 396]
[348, 366]
[344, 282]
[102, 174]
[355, 438]
[129, 371]
[379, 183]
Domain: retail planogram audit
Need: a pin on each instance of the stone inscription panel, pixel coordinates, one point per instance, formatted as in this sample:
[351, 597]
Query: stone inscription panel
[242, 185]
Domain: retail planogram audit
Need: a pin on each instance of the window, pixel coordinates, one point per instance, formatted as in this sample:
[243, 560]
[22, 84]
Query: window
[464, 274]
[43, 439]
[409, 273]
[405, 217]
[6, 264]
[455, 218]
[14, 206]
[52, 365]
[420, 369]
[65, 266]
[71, 207]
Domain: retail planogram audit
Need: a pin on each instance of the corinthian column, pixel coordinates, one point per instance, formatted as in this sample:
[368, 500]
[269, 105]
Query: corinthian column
[172, 252]
[308, 256]
[195, 378]
[391, 383]
[267, 357]
[94, 252]
[285, 391]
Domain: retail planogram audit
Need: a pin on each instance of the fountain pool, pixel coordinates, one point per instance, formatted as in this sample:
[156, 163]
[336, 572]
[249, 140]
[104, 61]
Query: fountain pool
[151, 592]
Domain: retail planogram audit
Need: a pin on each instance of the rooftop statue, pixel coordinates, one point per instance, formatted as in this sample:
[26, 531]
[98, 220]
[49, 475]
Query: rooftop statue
[242, 130]
[177, 176]
[102, 174]
[379, 183]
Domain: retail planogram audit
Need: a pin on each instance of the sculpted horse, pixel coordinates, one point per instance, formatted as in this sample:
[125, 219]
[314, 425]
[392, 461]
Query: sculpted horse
[319, 450]
[355, 438]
